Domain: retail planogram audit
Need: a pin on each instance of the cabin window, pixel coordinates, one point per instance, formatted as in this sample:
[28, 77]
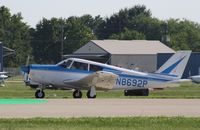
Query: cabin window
[79, 65]
[66, 64]
[95, 68]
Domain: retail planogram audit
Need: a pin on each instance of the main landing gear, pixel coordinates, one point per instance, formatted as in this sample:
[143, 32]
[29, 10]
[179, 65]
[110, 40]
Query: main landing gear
[90, 93]
[89, 96]
[77, 94]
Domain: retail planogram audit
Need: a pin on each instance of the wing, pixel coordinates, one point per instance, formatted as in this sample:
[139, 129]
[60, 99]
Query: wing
[3, 73]
[100, 79]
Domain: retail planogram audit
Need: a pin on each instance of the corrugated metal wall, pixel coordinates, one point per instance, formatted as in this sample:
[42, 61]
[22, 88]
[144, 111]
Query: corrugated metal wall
[145, 63]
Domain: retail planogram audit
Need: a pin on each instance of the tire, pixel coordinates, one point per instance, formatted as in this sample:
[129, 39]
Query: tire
[145, 92]
[77, 94]
[126, 93]
[39, 94]
[88, 95]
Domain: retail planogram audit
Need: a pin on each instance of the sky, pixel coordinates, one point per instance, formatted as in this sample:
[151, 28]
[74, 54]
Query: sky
[34, 10]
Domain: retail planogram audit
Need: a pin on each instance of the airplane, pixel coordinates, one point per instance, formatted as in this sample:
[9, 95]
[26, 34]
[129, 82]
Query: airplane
[3, 76]
[195, 78]
[80, 74]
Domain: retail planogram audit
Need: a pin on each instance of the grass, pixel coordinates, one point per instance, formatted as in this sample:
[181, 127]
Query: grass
[98, 123]
[15, 78]
[19, 90]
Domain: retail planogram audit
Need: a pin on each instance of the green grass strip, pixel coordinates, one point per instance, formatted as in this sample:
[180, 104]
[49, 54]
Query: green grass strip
[109, 123]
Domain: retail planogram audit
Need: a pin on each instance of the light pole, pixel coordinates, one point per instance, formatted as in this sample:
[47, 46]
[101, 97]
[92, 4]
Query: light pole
[165, 34]
[62, 40]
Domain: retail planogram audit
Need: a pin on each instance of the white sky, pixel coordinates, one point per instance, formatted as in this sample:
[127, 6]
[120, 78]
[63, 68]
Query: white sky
[34, 10]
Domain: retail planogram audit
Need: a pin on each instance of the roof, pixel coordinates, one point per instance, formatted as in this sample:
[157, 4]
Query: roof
[133, 46]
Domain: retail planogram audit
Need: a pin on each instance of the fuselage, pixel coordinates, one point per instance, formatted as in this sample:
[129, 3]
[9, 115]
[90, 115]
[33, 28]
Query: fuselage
[60, 76]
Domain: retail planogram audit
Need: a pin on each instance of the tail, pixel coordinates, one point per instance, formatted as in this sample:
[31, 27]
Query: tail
[175, 65]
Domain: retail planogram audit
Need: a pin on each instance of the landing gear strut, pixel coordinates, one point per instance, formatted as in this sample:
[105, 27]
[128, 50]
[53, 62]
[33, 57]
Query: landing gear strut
[92, 92]
[77, 94]
[88, 94]
[39, 94]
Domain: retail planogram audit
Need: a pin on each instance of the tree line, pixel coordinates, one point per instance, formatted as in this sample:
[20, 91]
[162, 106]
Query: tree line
[43, 43]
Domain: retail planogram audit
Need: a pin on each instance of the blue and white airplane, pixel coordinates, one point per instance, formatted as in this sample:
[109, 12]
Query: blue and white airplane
[3, 76]
[80, 74]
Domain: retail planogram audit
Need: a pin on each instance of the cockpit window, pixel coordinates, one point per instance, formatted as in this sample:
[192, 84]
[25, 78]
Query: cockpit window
[95, 68]
[66, 64]
[79, 65]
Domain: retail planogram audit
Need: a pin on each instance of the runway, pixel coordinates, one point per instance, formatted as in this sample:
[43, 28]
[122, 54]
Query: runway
[103, 108]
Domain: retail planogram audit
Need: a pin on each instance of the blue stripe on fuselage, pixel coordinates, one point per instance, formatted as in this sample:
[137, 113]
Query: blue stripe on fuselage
[170, 68]
[57, 68]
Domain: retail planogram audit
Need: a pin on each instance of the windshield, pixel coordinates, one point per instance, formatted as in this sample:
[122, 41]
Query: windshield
[66, 64]
[79, 65]
[95, 68]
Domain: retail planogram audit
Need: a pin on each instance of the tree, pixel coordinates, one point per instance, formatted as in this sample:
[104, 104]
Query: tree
[128, 35]
[184, 34]
[14, 34]
[125, 18]
[77, 34]
[46, 41]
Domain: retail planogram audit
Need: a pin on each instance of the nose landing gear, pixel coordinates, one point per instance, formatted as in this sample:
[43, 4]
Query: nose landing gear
[39, 94]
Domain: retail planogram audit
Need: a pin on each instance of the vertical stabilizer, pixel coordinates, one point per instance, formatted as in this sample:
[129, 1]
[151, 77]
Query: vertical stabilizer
[176, 64]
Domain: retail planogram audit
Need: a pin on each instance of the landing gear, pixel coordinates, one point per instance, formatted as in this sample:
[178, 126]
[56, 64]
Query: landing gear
[92, 92]
[88, 94]
[77, 94]
[39, 94]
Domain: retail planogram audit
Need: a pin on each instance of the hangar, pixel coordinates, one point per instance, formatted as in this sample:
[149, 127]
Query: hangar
[132, 54]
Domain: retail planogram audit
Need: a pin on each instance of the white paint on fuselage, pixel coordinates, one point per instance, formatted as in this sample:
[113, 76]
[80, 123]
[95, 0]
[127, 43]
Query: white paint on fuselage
[55, 78]
[59, 79]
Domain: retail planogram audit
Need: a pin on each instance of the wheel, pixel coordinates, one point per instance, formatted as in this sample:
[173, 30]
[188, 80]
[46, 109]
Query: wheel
[125, 92]
[39, 94]
[77, 94]
[145, 92]
[88, 95]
